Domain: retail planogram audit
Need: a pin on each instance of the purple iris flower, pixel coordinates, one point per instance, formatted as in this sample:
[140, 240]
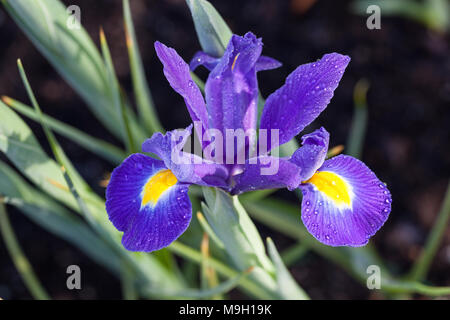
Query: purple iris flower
[343, 204]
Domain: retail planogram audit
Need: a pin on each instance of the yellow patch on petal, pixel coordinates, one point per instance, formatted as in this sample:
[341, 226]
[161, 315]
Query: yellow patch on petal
[157, 185]
[333, 186]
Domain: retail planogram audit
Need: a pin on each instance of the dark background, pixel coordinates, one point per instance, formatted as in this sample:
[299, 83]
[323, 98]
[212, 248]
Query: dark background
[407, 142]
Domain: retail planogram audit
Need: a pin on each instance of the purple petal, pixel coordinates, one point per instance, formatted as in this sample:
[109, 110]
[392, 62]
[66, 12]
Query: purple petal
[232, 90]
[178, 74]
[186, 167]
[147, 226]
[267, 172]
[203, 59]
[306, 93]
[267, 63]
[345, 216]
[311, 155]
[209, 62]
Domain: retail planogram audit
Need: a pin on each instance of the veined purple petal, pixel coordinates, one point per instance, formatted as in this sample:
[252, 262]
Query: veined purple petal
[186, 167]
[178, 74]
[311, 155]
[232, 90]
[306, 93]
[267, 172]
[151, 215]
[344, 203]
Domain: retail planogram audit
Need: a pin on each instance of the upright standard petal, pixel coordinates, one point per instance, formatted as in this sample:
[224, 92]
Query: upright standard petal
[306, 93]
[145, 200]
[232, 91]
[344, 203]
[267, 172]
[186, 167]
[178, 74]
[311, 155]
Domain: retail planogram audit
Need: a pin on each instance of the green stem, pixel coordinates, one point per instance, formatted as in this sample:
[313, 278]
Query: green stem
[359, 124]
[195, 256]
[19, 258]
[394, 286]
[422, 265]
[294, 253]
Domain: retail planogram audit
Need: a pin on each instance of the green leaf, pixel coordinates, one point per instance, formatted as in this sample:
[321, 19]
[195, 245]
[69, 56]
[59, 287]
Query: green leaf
[235, 230]
[21, 147]
[422, 265]
[21, 262]
[56, 148]
[53, 217]
[435, 14]
[294, 253]
[287, 287]
[207, 228]
[221, 288]
[355, 141]
[97, 146]
[248, 285]
[114, 91]
[232, 225]
[212, 31]
[144, 101]
[72, 53]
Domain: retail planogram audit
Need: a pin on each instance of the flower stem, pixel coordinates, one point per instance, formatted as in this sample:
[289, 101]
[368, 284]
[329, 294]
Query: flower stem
[420, 269]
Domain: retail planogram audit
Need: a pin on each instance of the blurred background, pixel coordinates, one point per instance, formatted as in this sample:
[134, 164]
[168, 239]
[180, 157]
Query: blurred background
[406, 63]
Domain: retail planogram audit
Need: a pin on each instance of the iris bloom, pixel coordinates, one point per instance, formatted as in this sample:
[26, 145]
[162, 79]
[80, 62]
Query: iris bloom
[343, 204]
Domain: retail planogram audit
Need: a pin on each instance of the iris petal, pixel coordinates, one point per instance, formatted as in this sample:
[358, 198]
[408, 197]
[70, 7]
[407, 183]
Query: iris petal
[203, 59]
[306, 93]
[145, 202]
[267, 63]
[178, 74]
[186, 167]
[231, 89]
[209, 62]
[311, 155]
[267, 172]
[344, 203]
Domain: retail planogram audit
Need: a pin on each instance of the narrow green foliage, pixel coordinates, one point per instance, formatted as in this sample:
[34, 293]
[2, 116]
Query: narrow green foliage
[97, 146]
[212, 31]
[146, 108]
[422, 265]
[357, 133]
[114, 91]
